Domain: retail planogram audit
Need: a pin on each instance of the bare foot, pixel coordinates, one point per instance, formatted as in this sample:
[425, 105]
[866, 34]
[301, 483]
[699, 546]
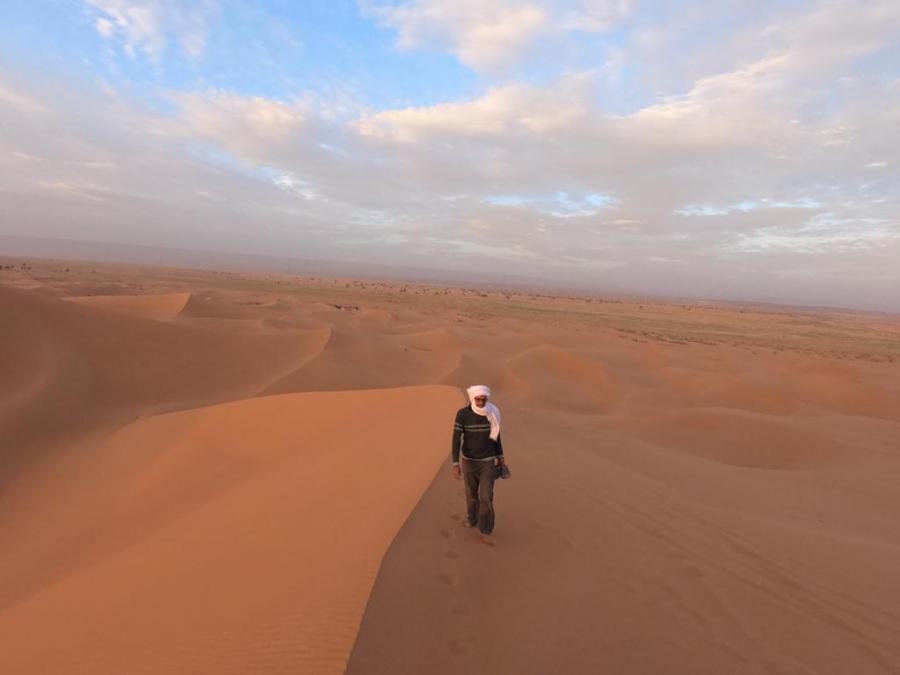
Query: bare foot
[488, 539]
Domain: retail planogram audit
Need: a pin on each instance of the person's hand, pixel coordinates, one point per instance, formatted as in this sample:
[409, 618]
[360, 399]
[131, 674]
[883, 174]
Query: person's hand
[456, 472]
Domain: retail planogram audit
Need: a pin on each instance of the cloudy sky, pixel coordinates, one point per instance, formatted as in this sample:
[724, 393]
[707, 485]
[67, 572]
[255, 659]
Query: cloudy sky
[736, 149]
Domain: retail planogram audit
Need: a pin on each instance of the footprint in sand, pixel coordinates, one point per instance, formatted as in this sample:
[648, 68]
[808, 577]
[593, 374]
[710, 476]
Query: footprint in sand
[455, 516]
[447, 534]
[447, 579]
[462, 646]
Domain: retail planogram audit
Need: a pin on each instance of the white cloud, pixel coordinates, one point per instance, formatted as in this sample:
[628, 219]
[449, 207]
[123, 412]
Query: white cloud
[491, 35]
[777, 164]
[105, 27]
[560, 204]
[20, 101]
[146, 26]
[596, 15]
[251, 126]
[823, 233]
[80, 190]
[481, 34]
[501, 111]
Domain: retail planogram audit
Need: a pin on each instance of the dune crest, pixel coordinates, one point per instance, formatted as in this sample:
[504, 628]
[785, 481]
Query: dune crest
[159, 307]
[355, 359]
[92, 367]
[242, 537]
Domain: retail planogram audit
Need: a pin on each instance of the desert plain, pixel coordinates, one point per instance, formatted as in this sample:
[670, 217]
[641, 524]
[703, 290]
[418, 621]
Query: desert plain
[222, 472]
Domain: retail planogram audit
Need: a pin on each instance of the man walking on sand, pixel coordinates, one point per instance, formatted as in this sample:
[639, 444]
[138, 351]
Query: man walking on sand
[476, 442]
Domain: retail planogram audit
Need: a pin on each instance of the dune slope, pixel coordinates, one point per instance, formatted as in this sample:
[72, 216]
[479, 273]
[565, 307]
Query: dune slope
[78, 368]
[618, 556]
[237, 538]
[160, 306]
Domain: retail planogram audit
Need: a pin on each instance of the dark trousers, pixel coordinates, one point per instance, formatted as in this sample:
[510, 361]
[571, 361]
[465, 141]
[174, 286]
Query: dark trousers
[479, 480]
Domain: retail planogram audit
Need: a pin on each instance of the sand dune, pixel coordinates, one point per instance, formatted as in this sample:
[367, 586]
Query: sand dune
[479, 367]
[741, 438]
[618, 556]
[239, 538]
[208, 305]
[870, 392]
[696, 489]
[91, 367]
[563, 379]
[161, 307]
[365, 360]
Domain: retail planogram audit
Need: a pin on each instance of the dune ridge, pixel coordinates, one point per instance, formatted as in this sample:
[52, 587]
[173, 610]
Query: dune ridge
[160, 307]
[266, 534]
[96, 368]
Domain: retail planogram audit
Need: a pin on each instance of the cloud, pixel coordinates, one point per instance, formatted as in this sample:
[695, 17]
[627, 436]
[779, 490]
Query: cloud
[596, 16]
[559, 205]
[824, 233]
[491, 35]
[22, 102]
[80, 190]
[499, 112]
[769, 177]
[254, 127]
[482, 35]
[105, 27]
[147, 26]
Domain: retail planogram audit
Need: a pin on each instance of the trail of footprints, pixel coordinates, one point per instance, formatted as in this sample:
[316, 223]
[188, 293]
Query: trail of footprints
[462, 645]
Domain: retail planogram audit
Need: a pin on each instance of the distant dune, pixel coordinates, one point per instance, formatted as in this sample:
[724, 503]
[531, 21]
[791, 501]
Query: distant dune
[95, 364]
[207, 472]
[163, 307]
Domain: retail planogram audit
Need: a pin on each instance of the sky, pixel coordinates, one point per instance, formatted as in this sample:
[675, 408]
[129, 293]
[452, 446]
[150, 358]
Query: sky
[730, 150]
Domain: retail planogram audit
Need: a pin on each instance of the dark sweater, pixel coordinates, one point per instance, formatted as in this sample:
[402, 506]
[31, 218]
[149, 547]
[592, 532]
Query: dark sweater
[472, 435]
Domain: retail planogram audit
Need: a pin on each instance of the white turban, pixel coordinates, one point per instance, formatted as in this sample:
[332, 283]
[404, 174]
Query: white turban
[489, 410]
[478, 390]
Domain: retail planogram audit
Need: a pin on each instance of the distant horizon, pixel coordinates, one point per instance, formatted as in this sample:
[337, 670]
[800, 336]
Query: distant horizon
[742, 151]
[116, 253]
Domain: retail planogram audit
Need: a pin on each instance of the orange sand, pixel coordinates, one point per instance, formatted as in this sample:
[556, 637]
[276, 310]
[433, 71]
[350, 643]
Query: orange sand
[161, 307]
[203, 474]
[242, 537]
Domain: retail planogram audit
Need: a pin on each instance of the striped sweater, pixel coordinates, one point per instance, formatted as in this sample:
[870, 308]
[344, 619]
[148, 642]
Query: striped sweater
[472, 436]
